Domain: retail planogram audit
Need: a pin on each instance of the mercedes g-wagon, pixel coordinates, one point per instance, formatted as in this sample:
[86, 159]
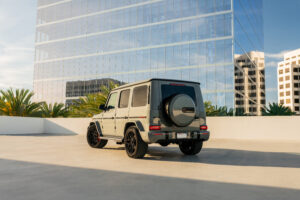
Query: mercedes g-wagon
[159, 111]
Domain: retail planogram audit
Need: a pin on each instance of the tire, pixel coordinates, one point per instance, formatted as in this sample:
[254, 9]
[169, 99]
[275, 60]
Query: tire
[180, 109]
[191, 147]
[134, 145]
[92, 138]
[164, 144]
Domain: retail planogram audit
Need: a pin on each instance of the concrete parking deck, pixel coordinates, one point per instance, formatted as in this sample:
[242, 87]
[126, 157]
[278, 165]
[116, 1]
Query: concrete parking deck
[65, 167]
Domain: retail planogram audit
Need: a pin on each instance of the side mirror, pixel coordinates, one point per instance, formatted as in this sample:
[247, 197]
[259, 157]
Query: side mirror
[102, 107]
[110, 107]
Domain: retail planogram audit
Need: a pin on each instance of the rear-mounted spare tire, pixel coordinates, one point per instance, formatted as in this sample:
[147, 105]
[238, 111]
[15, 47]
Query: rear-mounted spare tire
[180, 109]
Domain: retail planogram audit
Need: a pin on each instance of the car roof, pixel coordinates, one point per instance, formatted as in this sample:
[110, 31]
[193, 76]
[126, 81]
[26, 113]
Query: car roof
[152, 79]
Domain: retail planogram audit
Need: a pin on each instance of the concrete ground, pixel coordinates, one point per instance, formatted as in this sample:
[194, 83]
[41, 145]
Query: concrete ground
[65, 167]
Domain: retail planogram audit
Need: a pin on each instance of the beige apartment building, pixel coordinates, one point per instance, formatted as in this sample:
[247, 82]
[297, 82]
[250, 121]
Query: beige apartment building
[249, 72]
[288, 72]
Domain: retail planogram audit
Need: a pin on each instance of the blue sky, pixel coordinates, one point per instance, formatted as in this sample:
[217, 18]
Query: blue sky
[17, 32]
[281, 27]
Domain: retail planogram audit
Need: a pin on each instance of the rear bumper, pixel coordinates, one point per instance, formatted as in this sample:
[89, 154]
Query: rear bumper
[158, 136]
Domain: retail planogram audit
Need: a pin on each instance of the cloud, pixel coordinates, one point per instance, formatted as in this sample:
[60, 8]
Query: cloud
[271, 64]
[14, 78]
[17, 43]
[271, 89]
[16, 66]
[277, 55]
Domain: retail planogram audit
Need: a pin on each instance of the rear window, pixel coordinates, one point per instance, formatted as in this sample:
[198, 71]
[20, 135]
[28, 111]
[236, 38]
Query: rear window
[139, 96]
[171, 90]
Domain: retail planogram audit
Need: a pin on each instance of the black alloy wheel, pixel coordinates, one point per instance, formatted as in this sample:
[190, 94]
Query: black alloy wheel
[134, 145]
[130, 143]
[93, 138]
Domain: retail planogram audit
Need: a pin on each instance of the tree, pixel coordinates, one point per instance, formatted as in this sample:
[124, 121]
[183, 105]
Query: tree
[224, 111]
[18, 103]
[209, 108]
[52, 111]
[89, 105]
[212, 110]
[277, 109]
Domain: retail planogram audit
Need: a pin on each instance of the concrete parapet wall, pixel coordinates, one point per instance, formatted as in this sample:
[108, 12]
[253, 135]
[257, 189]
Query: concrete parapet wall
[260, 128]
[66, 125]
[21, 125]
[31, 125]
[266, 127]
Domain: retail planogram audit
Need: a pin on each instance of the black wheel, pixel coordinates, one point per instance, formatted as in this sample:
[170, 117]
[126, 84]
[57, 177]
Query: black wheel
[164, 144]
[191, 147]
[134, 145]
[93, 139]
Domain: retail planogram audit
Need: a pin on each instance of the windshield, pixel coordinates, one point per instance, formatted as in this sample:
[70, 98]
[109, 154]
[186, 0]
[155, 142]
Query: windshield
[171, 90]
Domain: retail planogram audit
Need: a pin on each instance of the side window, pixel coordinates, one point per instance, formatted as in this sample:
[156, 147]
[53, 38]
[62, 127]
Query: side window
[124, 98]
[139, 96]
[112, 101]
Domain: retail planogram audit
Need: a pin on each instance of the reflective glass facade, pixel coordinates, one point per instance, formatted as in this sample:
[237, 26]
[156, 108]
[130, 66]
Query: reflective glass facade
[249, 57]
[131, 40]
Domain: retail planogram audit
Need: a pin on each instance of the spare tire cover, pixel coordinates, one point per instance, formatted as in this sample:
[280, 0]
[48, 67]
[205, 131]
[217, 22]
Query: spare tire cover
[181, 109]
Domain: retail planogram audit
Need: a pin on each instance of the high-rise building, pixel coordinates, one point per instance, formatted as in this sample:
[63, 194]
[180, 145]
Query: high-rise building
[131, 40]
[76, 89]
[250, 83]
[288, 72]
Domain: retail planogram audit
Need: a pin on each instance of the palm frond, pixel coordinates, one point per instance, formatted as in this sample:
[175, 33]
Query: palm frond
[277, 109]
[89, 105]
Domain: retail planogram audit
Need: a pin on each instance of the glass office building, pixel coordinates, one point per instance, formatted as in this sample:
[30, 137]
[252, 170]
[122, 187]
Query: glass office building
[132, 40]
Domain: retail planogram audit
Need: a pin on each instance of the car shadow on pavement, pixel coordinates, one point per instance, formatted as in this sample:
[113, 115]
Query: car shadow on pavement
[42, 134]
[28, 180]
[113, 148]
[221, 156]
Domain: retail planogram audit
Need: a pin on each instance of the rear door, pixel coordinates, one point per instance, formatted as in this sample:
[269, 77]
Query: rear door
[122, 111]
[140, 105]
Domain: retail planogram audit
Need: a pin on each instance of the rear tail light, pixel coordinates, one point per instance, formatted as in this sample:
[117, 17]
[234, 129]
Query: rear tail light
[154, 128]
[203, 127]
[176, 84]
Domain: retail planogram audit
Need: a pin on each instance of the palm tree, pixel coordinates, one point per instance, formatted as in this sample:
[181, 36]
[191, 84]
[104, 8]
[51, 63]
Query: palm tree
[209, 108]
[1, 104]
[277, 109]
[89, 105]
[212, 110]
[18, 103]
[224, 111]
[55, 110]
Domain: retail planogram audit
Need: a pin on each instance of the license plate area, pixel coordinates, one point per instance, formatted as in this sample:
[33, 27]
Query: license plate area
[181, 135]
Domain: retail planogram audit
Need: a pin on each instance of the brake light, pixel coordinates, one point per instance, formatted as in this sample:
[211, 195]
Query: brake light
[176, 84]
[154, 128]
[203, 127]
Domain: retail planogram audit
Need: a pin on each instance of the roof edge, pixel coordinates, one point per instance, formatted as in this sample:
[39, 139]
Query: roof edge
[153, 79]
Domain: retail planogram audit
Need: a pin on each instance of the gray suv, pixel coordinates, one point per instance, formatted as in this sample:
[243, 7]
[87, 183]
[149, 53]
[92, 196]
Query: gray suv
[159, 111]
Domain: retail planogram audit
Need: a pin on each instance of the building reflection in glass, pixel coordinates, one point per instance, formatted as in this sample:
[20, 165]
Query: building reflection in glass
[134, 40]
[249, 73]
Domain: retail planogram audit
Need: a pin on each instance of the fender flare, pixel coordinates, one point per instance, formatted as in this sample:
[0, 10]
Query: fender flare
[98, 127]
[139, 125]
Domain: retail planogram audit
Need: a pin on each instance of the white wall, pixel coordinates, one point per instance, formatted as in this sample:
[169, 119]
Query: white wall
[21, 125]
[30, 125]
[66, 125]
[267, 127]
[271, 128]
